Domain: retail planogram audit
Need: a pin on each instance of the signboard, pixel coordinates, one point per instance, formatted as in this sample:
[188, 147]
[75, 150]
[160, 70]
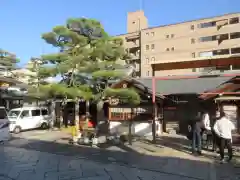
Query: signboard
[143, 113]
[2, 84]
[231, 113]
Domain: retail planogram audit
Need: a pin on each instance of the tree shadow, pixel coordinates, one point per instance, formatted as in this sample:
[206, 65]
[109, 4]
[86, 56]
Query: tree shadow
[182, 144]
[129, 159]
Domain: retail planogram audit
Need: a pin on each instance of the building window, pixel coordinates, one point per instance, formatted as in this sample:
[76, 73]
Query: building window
[172, 48]
[192, 41]
[167, 49]
[152, 46]
[208, 38]
[193, 55]
[207, 24]
[235, 50]
[147, 34]
[235, 35]
[234, 20]
[206, 54]
[147, 47]
[167, 36]
[172, 35]
[194, 70]
[147, 73]
[147, 60]
[192, 27]
[133, 22]
[214, 53]
[152, 33]
[221, 52]
[153, 59]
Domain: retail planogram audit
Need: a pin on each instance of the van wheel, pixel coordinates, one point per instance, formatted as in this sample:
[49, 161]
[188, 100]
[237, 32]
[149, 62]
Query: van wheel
[44, 126]
[17, 130]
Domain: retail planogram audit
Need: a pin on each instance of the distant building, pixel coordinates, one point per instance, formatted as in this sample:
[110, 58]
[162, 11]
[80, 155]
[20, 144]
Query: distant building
[27, 76]
[7, 63]
[190, 41]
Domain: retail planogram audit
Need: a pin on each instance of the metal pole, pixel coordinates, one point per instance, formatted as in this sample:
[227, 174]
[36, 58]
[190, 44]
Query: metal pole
[154, 109]
[130, 129]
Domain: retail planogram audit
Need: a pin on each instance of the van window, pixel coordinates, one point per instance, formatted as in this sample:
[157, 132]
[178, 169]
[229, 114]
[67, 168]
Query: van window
[13, 113]
[3, 114]
[44, 112]
[25, 113]
[36, 112]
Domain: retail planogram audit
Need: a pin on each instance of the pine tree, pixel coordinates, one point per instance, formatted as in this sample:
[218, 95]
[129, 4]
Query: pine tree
[8, 60]
[87, 61]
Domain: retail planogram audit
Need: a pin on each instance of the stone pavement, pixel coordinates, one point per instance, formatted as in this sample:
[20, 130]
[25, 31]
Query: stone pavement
[22, 164]
[228, 171]
[45, 156]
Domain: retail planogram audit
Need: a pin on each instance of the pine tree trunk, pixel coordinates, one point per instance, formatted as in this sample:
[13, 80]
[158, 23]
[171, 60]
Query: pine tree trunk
[53, 113]
[77, 130]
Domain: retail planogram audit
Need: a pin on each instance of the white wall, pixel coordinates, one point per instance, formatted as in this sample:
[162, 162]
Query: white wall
[138, 128]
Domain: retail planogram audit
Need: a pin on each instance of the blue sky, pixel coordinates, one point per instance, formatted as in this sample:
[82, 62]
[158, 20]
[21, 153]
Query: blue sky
[23, 21]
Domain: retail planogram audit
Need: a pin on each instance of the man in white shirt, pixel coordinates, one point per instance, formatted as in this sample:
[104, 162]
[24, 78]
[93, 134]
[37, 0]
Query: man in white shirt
[223, 129]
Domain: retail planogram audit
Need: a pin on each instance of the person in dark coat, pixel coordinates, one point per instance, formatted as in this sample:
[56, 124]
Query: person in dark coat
[197, 134]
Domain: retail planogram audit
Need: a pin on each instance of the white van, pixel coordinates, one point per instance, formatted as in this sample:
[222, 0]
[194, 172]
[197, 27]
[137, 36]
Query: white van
[4, 125]
[26, 118]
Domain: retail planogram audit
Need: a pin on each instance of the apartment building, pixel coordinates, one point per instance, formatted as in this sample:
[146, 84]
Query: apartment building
[7, 63]
[206, 38]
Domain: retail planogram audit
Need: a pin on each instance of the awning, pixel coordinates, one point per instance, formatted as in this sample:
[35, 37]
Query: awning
[228, 98]
[13, 81]
[185, 86]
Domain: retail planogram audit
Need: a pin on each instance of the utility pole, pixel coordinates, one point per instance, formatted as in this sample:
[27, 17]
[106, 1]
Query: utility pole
[36, 65]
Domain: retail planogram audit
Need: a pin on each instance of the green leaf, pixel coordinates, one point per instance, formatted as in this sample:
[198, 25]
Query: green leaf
[126, 95]
[89, 55]
[106, 74]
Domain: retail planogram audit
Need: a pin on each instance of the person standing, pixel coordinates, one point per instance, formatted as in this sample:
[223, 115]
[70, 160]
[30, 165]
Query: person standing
[223, 129]
[202, 124]
[197, 136]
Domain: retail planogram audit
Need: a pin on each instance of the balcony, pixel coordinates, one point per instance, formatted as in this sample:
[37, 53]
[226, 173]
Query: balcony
[221, 23]
[133, 44]
[133, 36]
[207, 44]
[134, 56]
[229, 43]
[229, 28]
[5, 72]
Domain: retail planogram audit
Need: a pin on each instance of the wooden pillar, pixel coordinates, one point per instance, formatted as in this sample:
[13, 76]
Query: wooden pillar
[75, 129]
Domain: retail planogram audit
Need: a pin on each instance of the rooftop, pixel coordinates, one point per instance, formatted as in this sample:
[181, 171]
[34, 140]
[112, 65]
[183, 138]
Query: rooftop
[188, 21]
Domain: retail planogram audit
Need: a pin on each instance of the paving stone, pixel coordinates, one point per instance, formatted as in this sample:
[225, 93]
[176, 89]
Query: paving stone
[64, 175]
[4, 178]
[47, 166]
[25, 175]
[17, 169]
